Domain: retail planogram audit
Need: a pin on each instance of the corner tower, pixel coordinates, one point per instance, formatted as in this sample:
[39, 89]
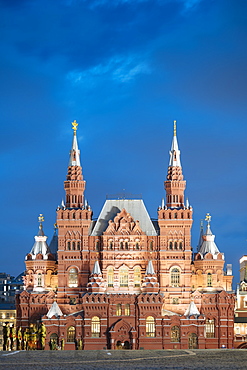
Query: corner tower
[175, 221]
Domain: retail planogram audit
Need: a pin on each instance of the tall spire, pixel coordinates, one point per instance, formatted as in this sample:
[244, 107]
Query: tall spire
[175, 152]
[74, 159]
[74, 185]
[175, 184]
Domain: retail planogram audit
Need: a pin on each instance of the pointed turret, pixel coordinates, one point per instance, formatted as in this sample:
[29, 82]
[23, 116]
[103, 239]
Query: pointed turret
[74, 184]
[208, 245]
[175, 185]
[40, 246]
[200, 236]
[96, 282]
[150, 282]
[96, 268]
[150, 268]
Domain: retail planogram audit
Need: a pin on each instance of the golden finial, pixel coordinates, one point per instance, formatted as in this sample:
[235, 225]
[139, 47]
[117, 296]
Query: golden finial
[74, 126]
[175, 128]
[41, 218]
[208, 218]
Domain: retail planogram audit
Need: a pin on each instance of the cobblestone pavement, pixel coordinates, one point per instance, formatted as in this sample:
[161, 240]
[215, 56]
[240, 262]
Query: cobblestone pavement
[107, 359]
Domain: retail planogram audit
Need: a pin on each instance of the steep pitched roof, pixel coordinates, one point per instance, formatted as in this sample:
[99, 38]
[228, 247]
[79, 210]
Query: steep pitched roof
[54, 311]
[135, 207]
[192, 310]
[40, 246]
[208, 245]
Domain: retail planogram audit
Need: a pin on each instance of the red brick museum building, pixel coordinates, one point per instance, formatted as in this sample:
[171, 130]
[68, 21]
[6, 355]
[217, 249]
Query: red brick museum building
[126, 281]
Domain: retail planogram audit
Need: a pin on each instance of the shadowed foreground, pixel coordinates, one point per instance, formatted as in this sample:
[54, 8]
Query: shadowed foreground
[167, 359]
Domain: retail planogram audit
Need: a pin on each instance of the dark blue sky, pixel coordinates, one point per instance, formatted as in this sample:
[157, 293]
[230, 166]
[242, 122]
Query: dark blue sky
[124, 69]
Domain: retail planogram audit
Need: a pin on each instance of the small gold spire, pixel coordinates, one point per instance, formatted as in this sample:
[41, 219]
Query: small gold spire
[175, 128]
[74, 126]
[41, 218]
[208, 218]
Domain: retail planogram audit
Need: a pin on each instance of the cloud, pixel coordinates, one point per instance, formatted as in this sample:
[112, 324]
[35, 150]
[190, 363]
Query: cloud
[118, 69]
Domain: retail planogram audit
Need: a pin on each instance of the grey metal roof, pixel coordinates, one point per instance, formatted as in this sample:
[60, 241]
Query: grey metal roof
[135, 207]
[208, 245]
[40, 245]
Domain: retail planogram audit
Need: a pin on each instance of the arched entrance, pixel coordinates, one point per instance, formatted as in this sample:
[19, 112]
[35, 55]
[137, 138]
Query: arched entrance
[123, 345]
[193, 341]
[53, 341]
[122, 336]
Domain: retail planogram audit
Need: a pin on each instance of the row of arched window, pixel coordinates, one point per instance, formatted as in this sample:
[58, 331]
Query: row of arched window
[123, 309]
[123, 277]
[73, 245]
[123, 245]
[150, 327]
[175, 245]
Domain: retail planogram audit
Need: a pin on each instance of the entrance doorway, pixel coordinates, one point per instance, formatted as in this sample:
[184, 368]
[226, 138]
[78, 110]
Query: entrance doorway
[123, 345]
[193, 341]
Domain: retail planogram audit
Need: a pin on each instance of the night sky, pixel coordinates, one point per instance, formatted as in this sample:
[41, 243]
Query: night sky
[124, 69]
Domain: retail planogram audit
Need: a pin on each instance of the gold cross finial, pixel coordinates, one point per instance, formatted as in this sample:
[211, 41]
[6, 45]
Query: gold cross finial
[74, 126]
[175, 128]
[208, 218]
[41, 218]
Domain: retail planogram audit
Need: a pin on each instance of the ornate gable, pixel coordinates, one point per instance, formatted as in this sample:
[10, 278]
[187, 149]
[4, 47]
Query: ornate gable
[123, 224]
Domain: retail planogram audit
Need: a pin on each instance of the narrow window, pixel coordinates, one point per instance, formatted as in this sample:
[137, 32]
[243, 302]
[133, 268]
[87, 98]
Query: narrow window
[71, 334]
[78, 246]
[110, 277]
[127, 309]
[95, 326]
[119, 309]
[209, 279]
[126, 245]
[121, 245]
[39, 279]
[124, 277]
[210, 328]
[170, 245]
[73, 277]
[69, 246]
[73, 246]
[175, 245]
[175, 277]
[151, 245]
[137, 246]
[137, 277]
[150, 326]
[175, 334]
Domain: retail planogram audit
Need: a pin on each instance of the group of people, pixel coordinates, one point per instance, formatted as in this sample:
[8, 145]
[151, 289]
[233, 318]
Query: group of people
[30, 339]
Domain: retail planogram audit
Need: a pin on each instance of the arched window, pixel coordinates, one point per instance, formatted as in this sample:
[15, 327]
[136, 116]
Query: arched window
[97, 246]
[137, 277]
[124, 277]
[126, 245]
[95, 326]
[78, 246]
[137, 246]
[119, 309]
[39, 280]
[121, 245]
[170, 245]
[209, 279]
[151, 246]
[69, 246]
[110, 277]
[175, 334]
[73, 277]
[73, 246]
[150, 326]
[175, 245]
[111, 245]
[180, 245]
[71, 334]
[127, 309]
[175, 277]
[210, 328]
